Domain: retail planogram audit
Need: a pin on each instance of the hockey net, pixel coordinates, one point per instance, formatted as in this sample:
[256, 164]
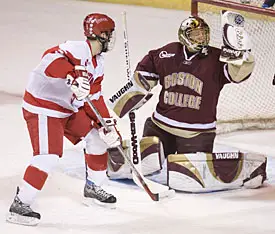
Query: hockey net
[249, 105]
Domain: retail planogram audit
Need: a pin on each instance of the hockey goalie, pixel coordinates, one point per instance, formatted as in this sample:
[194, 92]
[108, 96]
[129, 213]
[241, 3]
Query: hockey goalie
[182, 128]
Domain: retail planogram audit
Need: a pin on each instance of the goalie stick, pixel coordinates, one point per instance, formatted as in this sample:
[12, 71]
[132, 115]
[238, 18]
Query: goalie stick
[151, 186]
[160, 190]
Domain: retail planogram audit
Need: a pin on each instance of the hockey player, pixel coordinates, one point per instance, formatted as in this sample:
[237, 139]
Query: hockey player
[192, 74]
[54, 107]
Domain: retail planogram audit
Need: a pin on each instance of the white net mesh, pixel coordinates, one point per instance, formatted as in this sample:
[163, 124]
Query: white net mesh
[252, 103]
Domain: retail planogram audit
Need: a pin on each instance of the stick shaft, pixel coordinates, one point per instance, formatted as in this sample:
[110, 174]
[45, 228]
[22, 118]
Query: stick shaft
[140, 178]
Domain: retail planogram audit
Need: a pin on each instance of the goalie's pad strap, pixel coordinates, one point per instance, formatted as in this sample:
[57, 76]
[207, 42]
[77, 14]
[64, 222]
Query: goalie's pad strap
[204, 172]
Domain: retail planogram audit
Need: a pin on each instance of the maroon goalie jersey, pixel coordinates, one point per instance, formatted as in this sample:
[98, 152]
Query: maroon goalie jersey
[190, 86]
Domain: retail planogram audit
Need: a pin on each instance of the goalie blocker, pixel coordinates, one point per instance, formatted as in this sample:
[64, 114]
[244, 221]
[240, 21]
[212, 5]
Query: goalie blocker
[193, 172]
[134, 94]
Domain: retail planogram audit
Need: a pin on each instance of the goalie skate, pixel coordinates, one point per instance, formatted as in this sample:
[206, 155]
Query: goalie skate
[21, 213]
[94, 194]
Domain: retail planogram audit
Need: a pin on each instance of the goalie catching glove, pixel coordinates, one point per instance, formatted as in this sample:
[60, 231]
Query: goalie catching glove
[78, 81]
[236, 40]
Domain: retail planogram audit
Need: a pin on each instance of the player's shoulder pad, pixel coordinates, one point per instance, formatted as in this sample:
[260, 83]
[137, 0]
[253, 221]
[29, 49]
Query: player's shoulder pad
[76, 50]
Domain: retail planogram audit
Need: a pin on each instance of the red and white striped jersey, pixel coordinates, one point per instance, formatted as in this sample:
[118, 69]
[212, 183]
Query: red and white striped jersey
[47, 92]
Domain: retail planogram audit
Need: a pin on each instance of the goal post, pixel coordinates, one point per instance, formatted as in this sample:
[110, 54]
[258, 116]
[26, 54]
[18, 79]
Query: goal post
[236, 5]
[251, 104]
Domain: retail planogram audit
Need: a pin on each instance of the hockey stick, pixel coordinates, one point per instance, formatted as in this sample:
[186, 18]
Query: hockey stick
[145, 183]
[134, 146]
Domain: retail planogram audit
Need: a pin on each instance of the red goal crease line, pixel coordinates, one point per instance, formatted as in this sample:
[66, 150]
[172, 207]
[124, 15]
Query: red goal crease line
[232, 5]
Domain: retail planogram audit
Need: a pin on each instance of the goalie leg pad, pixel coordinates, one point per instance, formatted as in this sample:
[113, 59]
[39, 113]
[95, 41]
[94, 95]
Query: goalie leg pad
[152, 155]
[117, 168]
[152, 158]
[208, 172]
[256, 170]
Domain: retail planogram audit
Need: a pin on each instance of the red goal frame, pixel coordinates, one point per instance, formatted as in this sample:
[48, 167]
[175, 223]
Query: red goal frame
[243, 121]
[232, 5]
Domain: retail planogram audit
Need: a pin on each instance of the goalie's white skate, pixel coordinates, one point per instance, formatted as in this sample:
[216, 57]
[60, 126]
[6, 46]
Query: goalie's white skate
[21, 213]
[94, 194]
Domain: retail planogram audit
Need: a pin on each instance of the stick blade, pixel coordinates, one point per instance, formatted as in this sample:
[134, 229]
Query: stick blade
[161, 190]
[167, 194]
[155, 190]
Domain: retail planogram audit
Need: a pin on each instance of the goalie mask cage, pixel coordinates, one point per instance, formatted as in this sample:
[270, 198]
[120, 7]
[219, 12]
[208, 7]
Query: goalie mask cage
[251, 104]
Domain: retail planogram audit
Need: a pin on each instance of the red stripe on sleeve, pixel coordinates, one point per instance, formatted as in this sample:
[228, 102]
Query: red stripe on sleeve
[100, 106]
[51, 50]
[59, 68]
[96, 86]
[71, 59]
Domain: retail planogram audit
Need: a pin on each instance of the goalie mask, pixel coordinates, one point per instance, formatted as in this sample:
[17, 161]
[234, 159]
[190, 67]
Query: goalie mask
[100, 27]
[194, 33]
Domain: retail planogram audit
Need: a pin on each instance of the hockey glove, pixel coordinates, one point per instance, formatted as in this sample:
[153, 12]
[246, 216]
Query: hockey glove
[111, 138]
[134, 94]
[78, 81]
[235, 39]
